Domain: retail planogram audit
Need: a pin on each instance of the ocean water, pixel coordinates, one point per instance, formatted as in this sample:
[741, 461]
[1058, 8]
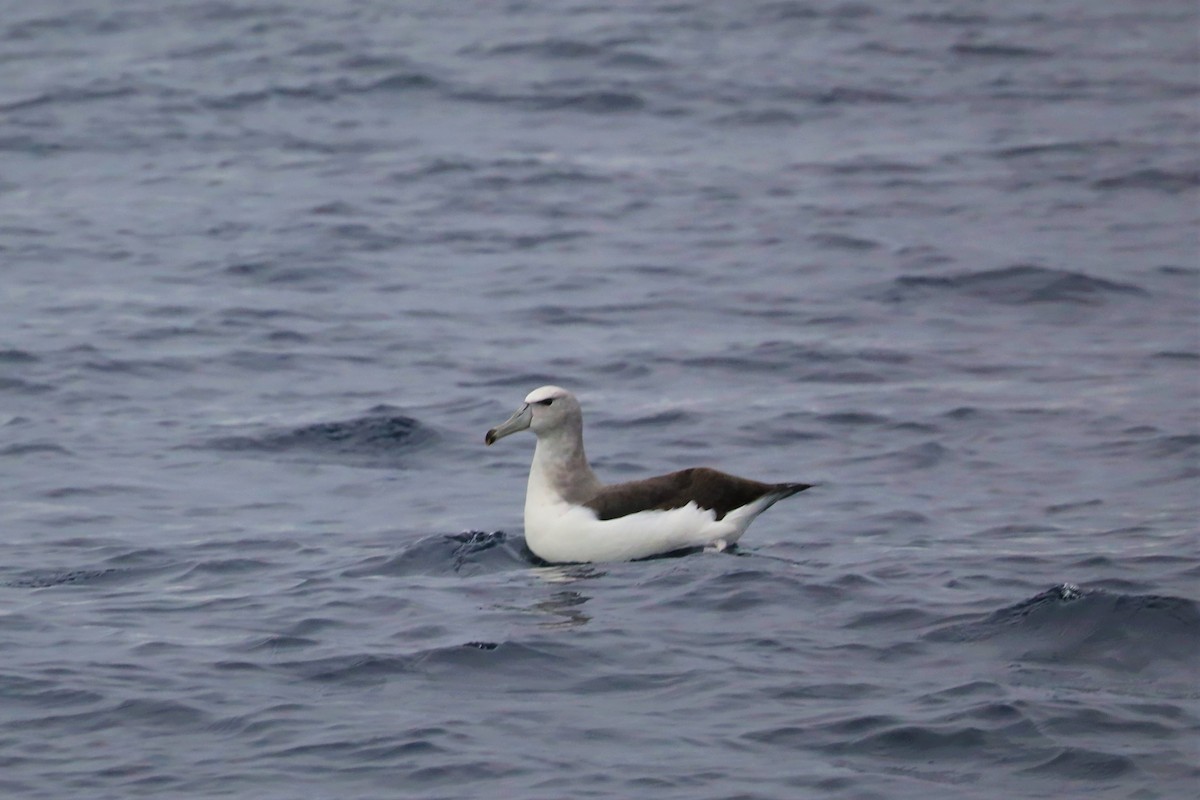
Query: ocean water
[270, 270]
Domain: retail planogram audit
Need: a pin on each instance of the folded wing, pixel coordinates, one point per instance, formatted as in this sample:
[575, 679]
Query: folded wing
[707, 488]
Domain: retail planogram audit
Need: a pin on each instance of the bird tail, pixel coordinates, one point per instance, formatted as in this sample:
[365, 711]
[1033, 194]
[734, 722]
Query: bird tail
[778, 492]
[782, 490]
[743, 516]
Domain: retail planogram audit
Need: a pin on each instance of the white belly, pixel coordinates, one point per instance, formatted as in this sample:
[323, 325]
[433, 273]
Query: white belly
[558, 532]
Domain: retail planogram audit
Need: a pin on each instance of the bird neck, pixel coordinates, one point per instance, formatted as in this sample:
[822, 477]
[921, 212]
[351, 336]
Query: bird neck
[560, 466]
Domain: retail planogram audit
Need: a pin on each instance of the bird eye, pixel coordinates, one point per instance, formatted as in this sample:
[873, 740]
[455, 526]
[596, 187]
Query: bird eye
[545, 402]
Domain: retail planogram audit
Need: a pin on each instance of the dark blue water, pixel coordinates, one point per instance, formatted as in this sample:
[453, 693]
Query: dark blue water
[270, 270]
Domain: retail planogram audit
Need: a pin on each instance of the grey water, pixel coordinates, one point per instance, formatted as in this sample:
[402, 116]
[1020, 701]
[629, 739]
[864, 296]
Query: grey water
[268, 271]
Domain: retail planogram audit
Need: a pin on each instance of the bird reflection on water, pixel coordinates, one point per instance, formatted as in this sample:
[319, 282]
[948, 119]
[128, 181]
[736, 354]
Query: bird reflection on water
[564, 604]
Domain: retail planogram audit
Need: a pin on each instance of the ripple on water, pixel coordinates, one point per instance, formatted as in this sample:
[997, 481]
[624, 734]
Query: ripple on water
[1067, 625]
[467, 553]
[382, 437]
[1021, 284]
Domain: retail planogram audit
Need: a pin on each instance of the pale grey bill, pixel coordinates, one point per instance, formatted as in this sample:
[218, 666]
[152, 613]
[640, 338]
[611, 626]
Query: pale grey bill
[517, 422]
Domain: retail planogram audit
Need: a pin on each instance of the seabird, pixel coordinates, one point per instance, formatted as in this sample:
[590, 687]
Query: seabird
[571, 517]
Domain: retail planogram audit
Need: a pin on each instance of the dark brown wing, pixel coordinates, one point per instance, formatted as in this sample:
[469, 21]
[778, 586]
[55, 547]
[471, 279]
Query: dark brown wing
[707, 488]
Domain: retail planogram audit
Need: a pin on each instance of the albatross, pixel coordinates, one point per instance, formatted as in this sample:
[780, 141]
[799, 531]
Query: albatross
[571, 517]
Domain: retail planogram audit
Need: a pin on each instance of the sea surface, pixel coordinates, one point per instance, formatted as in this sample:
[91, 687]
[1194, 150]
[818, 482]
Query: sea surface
[269, 271]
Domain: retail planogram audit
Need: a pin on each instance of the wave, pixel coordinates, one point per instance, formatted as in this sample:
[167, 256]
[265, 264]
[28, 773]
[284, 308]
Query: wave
[466, 553]
[18, 386]
[1159, 180]
[1019, 284]
[322, 91]
[997, 50]
[41, 579]
[1069, 625]
[549, 48]
[597, 101]
[12, 355]
[382, 437]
